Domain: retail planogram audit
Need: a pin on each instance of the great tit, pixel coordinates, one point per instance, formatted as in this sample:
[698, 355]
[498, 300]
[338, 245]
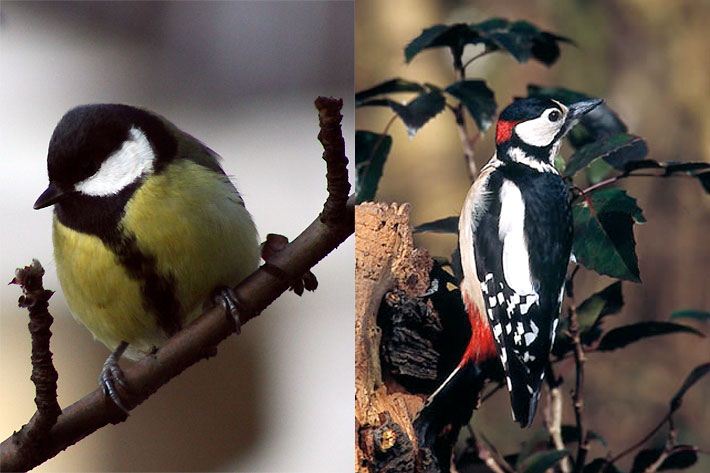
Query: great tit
[147, 226]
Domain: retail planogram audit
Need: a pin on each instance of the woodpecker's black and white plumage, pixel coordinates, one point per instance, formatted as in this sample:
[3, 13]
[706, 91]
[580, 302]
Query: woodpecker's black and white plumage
[515, 237]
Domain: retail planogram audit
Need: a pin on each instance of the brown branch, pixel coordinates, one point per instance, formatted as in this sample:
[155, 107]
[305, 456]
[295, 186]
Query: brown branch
[553, 415]
[44, 376]
[638, 444]
[331, 137]
[578, 393]
[193, 343]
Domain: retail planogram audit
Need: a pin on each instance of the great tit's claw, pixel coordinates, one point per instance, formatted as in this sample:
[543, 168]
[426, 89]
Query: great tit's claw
[226, 297]
[112, 376]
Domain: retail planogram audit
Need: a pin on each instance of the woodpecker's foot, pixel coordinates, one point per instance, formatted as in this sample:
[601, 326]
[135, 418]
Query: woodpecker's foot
[274, 244]
[111, 378]
[226, 297]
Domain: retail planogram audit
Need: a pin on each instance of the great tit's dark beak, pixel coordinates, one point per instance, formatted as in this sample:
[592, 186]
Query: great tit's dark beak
[50, 196]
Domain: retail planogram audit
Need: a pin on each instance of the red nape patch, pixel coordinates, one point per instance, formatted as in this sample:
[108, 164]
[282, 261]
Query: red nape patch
[481, 346]
[504, 130]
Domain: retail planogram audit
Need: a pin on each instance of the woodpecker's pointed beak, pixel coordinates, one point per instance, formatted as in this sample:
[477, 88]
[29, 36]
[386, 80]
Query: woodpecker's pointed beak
[577, 111]
[50, 196]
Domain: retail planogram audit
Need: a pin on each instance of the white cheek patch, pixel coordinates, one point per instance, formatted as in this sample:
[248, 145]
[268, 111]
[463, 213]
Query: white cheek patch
[134, 159]
[540, 131]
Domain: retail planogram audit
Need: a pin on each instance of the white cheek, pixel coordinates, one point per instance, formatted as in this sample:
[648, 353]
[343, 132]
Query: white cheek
[134, 159]
[538, 132]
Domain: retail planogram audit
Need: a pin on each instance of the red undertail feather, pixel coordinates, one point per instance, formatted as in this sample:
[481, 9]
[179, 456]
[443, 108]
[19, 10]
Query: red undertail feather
[481, 346]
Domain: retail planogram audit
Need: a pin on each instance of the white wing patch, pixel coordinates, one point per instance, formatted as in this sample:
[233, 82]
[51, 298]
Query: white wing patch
[134, 159]
[516, 261]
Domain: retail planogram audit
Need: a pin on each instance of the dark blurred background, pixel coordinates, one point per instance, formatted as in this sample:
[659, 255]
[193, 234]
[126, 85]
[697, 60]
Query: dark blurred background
[242, 77]
[649, 60]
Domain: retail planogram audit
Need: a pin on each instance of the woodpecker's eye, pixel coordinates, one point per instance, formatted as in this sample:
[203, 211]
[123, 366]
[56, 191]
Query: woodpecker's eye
[554, 116]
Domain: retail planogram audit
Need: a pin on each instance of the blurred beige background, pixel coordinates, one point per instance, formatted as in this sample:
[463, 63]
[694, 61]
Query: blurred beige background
[648, 59]
[242, 77]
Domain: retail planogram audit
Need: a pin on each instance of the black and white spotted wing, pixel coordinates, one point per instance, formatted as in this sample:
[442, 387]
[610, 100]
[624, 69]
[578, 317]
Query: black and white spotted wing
[520, 287]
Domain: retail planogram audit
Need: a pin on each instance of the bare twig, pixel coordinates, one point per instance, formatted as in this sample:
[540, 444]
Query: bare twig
[477, 56]
[331, 137]
[188, 346]
[579, 359]
[488, 454]
[612, 180]
[44, 376]
[467, 142]
[638, 444]
[553, 415]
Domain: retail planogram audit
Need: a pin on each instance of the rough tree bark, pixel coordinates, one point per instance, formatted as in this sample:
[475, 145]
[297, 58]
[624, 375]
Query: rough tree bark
[385, 259]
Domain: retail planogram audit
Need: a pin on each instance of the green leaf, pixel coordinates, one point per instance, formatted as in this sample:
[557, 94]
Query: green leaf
[371, 151]
[694, 376]
[700, 171]
[599, 123]
[391, 86]
[600, 465]
[616, 150]
[680, 458]
[627, 334]
[539, 462]
[443, 225]
[536, 441]
[598, 170]
[522, 39]
[645, 458]
[590, 314]
[603, 233]
[478, 100]
[455, 37]
[700, 315]
[415, 113]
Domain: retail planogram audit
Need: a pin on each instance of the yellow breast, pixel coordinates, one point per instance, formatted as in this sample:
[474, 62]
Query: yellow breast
[192, 224]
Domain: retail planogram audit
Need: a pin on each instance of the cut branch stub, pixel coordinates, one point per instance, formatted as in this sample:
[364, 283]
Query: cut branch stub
[385, 259]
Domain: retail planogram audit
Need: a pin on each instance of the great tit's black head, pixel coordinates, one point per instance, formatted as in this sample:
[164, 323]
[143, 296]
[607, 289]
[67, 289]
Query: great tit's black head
[98, 150]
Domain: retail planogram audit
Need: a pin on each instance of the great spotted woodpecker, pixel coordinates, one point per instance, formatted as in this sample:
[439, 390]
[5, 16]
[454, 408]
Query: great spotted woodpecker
[515, 238]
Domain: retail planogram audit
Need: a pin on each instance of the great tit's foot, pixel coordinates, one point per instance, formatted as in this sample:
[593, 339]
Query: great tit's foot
[111, 377]
[274, 244]
[226, 297]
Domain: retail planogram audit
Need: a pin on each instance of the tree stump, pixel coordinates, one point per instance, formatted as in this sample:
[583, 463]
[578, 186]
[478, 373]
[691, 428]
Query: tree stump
[385, 260]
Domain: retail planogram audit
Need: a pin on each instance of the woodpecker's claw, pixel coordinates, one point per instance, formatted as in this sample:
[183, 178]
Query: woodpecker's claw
[112, 376]
[226, 297]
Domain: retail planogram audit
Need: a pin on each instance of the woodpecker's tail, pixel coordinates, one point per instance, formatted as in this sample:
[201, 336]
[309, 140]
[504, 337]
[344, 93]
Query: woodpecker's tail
[451, 403]
[524, 387]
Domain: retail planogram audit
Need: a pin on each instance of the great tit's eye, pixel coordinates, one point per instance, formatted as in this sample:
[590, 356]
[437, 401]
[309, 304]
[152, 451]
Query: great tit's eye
[554, 116]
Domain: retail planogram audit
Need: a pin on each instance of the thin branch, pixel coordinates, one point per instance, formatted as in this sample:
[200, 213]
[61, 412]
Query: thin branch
[331, 137]
[467, 142]
[44, 376]
[553, 415]
[638, 444]
[477, 56]
[614, 179]
[579, 359]
[190, 345]
[490, 393]
[488, 454]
